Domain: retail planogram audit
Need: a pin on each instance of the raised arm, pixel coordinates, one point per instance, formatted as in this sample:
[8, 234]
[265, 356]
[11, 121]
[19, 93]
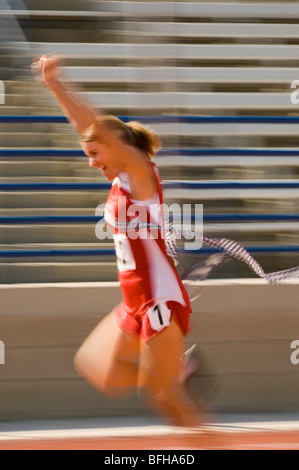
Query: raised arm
[80, 115]
[130, 158]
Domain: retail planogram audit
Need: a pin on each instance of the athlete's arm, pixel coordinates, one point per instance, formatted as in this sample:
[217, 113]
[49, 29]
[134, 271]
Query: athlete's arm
[80, 115]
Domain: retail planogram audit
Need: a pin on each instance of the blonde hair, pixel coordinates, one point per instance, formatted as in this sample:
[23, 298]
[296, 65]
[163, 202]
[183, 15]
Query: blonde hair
[133, 133]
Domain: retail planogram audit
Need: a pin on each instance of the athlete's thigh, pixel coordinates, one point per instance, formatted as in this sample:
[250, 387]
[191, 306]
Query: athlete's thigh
[104, 347]
[160, 356]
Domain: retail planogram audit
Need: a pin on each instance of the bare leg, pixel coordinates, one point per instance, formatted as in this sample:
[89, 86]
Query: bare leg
[108, 358]
[158, 377]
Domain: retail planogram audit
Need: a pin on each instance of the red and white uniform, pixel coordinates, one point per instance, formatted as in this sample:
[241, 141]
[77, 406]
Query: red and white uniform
[152, 290]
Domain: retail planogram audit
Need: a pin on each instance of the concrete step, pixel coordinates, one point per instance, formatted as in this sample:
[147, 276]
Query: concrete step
[63, 5]
[47, 179]
[36, 211]
[38, 168]
[20, 86]
[46, 253]
[185, 168]
[59, 245]
[36, 127]
[30, 109]
[86, 202]
[48, 233]
[53, 29]
[46, 246]
[38, 139]
[52, 200]
[14, 236]
[67, 139]
[59, 271]
[18, 99]
[52, 168]
[25, 139]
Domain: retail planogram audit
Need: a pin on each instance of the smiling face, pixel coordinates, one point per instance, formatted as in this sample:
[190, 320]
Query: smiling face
[101, 157]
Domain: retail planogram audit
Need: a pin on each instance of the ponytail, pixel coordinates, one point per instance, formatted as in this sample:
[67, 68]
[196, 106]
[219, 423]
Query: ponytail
[144, 138]
[134, 133]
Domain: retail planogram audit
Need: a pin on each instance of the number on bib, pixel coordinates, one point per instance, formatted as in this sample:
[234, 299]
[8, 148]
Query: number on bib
[124, 254]
[159, 316]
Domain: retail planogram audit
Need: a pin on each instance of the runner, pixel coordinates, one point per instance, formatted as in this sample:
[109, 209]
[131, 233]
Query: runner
[140, 343]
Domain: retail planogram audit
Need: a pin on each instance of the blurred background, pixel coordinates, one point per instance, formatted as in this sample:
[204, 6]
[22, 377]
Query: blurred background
[214, 80]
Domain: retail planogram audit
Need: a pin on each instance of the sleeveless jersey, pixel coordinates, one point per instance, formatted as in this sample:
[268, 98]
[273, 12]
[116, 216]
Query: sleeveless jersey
[149, 281]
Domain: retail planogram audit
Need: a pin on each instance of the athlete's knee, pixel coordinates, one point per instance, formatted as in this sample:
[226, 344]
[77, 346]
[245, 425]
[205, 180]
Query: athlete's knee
[103, 380]
[107, 389]
[98, 381]
[111, 387]
[84, 366]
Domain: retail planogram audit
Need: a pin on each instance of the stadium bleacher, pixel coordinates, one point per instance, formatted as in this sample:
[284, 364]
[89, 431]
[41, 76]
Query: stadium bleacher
[213, 78]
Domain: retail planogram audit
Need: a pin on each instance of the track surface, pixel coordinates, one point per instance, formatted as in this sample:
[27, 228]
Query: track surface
[260, 435]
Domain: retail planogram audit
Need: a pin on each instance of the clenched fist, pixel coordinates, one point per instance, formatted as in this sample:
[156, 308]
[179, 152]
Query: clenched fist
[46, 68]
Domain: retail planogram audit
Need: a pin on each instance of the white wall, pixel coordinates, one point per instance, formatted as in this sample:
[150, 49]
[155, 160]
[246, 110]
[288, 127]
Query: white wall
[246, 326]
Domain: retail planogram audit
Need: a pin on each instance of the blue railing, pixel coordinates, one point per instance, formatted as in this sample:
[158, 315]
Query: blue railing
[164, 119]
[111, 252]
[103, 252]
[182, 152]
[92, 219]
[167, 185]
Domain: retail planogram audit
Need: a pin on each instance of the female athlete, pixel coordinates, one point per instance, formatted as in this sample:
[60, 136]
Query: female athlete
[140, 343]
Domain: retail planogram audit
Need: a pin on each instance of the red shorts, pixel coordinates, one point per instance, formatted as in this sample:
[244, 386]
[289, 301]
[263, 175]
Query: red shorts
[150, 322]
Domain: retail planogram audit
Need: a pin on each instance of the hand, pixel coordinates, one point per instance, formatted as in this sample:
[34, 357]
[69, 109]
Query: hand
[46, 68]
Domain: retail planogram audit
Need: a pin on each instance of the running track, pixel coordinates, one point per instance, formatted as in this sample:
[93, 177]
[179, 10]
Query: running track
[261, 435]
